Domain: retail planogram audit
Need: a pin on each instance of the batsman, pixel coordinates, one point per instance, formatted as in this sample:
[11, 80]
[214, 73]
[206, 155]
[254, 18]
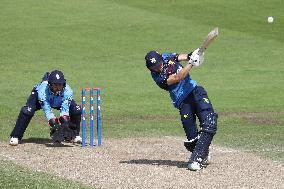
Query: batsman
[51, 93]
[191, 100]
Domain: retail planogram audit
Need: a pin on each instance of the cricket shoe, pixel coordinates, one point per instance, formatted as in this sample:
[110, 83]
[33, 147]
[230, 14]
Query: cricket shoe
[78, 140]
[194, 166]
[14, 141]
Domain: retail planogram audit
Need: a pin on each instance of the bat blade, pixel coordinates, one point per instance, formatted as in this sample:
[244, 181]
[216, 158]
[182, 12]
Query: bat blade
[209, 38]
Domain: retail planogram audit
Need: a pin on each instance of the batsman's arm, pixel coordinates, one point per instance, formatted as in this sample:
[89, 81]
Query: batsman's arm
[184, 57]
[175, 78]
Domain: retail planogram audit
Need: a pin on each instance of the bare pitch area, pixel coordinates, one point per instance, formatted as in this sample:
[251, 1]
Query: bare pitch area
[145, 163]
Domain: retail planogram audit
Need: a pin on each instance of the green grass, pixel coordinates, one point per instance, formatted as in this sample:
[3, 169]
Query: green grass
[251, 135]
[14, 176]
[103, 43]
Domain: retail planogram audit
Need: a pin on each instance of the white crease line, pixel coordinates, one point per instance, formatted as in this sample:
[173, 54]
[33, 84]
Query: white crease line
[224, 150]
[175, 138]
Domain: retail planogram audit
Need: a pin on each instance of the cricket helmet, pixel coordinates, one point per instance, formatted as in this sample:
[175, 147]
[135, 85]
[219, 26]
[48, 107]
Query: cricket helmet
[56, 76]
[153, 60]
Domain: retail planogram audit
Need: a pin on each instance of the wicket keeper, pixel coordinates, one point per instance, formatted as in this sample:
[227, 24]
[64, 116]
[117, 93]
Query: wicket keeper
[51, 93]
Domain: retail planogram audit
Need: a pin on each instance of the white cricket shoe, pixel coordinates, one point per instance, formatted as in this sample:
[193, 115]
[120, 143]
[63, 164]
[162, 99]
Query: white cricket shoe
[78, 139]
[14, 141]
[194, 166]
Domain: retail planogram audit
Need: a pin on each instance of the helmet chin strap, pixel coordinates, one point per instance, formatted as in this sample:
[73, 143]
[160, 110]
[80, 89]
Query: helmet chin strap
[58, 93]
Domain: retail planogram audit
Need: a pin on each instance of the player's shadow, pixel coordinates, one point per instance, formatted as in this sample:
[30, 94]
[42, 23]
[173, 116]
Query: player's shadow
[178, 164]
[45, 141]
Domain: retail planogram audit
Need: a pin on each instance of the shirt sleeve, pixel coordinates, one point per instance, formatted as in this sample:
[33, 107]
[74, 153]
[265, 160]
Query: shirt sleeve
[47, 110]
[42, 97]
[66, 101]
[170, 56]
[161, 80]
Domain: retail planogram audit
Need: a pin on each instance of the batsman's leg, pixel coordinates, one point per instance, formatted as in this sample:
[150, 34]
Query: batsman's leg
[208, 130]
[188, 120]
[208, 124]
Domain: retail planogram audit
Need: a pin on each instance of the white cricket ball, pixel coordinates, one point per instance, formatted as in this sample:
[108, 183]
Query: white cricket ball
[270, 19]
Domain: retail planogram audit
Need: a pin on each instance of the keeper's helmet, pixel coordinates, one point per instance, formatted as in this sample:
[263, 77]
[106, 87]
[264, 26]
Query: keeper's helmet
[56, 76]
[153, 60]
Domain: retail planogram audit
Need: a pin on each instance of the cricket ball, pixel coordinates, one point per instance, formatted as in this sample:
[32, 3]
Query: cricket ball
[270, 19]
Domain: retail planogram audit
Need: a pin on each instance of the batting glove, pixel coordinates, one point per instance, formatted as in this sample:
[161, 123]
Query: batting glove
[196, 59]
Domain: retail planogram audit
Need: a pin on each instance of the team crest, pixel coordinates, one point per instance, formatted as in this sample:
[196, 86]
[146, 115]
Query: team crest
[153, 60]
[206, 100]
[171, 62]
[57, 76]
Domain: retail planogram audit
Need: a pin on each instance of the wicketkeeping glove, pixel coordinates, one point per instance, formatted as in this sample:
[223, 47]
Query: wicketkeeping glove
[62, 132]
[54, 125]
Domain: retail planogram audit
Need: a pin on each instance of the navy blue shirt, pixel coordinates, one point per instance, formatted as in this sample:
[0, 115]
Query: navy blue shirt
[178, 91]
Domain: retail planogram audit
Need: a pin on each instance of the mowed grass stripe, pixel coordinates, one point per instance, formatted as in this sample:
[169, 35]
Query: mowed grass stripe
[15, 176]
[243, 16]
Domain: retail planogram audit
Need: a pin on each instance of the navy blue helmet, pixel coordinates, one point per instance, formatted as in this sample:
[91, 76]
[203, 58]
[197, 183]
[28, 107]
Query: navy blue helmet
[153, 60]
[56, 76]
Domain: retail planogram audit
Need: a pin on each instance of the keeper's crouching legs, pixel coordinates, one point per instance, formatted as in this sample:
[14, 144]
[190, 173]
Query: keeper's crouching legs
[24, 118]
[26, 114]
[75, 118]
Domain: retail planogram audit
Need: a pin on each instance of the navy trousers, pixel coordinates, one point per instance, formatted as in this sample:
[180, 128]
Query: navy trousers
[196, 105]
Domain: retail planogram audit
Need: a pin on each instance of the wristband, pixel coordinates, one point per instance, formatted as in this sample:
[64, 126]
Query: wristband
[64, 119]
[189, 55]
[53, 122]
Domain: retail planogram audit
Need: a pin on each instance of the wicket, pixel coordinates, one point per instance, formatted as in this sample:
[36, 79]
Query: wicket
[83, 126]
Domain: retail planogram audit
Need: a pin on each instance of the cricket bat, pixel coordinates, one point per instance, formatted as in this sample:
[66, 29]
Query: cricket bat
[208, 40]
